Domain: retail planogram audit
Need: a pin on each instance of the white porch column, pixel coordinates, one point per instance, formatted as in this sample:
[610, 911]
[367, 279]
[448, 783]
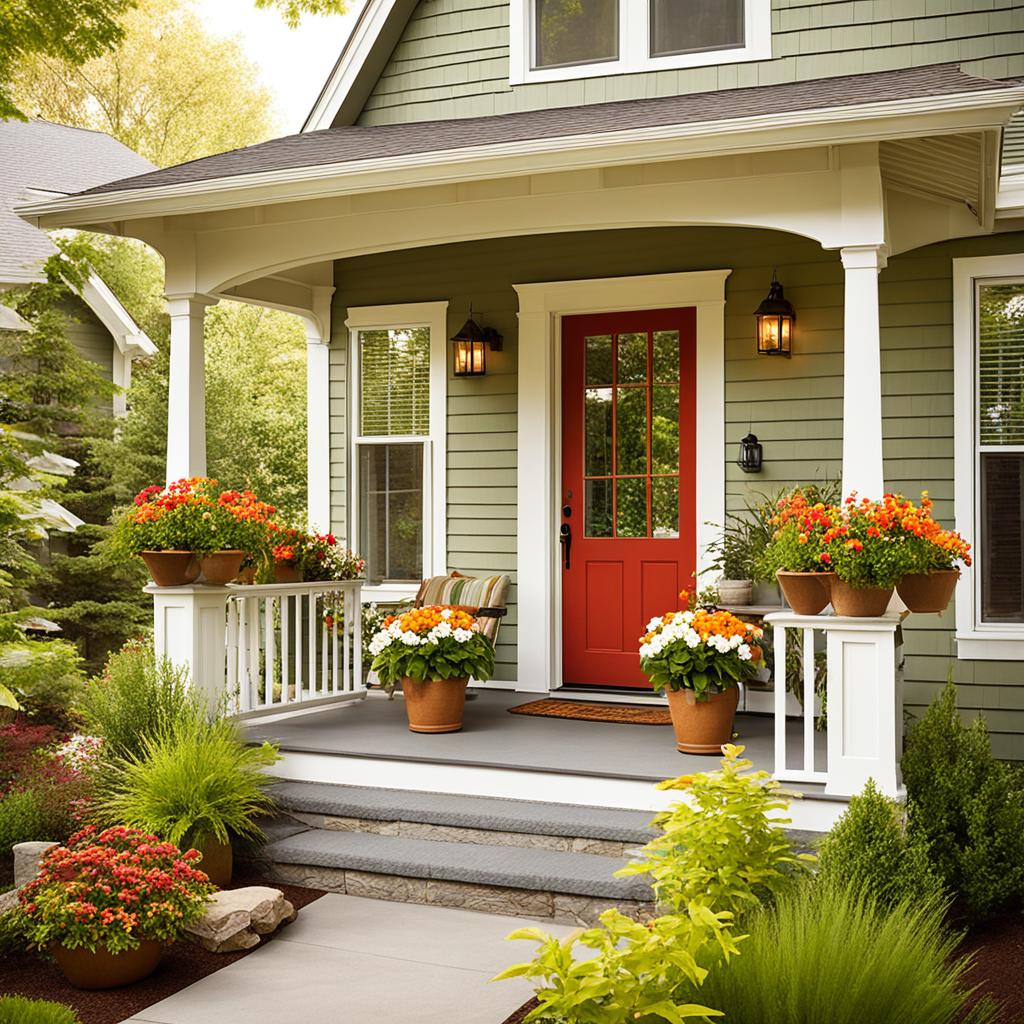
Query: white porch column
[318, 409]
[186, 397]
[862, 372]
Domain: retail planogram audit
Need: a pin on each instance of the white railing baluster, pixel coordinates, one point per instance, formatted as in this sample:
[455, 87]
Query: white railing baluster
[285, 648]
[314, 682]
[779, 649]
[236, 695]
[336, 613]
[808, 685]
[299, 674]
[254, 650]
[269, 651]
[346, 681]
[357, 639]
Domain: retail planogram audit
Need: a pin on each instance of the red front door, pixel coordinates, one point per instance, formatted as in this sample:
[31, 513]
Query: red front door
[628, 483]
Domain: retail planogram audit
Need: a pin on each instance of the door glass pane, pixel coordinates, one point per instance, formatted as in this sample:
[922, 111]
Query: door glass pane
[391, 511]
[631, 431]
[683, 26]
[599, 359]
[1002, 537]
[666, 355]
[665, 428]
[631, 507]
[632, 358]
[665, 506]
[576, 31]
[598, 518]
[598, 457]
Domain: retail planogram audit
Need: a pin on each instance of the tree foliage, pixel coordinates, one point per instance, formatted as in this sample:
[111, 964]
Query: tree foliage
[293, 10]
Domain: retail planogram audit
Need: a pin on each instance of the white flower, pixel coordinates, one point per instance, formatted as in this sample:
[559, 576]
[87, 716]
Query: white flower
[744, 652]
[446, 613]
[410, 639]
[462, 635]
[653, 625]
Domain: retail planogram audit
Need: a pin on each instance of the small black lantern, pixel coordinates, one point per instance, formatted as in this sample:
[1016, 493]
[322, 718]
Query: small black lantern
[470, 347]
[751, 454]
[775, 319]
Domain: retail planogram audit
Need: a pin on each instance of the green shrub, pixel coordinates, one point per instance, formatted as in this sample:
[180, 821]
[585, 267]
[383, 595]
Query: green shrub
[719, 848]
[870, 850]
[195, 781]
[12, 933]
[136, 699]
[21, 820]
[45, 677]
[16, 1010]
[968, 806]
[828, 954]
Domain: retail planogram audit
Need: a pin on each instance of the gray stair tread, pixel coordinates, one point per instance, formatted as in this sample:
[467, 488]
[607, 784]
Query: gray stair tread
[281, 828]
[493, 813]
[581, 874]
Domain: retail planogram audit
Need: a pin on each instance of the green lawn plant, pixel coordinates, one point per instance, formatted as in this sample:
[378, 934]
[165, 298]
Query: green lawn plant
[19, 1010]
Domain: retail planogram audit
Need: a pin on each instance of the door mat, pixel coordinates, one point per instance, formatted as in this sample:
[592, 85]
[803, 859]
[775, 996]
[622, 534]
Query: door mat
[585, 711]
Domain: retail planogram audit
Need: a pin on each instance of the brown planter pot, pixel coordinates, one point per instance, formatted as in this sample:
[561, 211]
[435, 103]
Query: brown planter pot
[221, 567]
[859, 602]
[246, 576]
[171, 568]
[101, 969]
[217, 861]
[434, 705]
[702, 726]
[806, 592]
[284, 573]
[928, 592]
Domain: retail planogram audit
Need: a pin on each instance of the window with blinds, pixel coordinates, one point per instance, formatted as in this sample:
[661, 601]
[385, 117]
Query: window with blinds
[394, 382]
[1000, 440]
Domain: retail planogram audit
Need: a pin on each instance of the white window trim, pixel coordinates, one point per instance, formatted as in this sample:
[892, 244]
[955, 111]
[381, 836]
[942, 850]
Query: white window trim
[433, 315]
[974, 639]
[634, 45]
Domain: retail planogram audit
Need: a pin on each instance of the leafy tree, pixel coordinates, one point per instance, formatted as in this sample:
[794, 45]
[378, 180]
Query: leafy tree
[293, 10]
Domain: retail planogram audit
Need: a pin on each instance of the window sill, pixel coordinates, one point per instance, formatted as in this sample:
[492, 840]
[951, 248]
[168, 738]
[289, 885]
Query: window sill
[388, 593]
[1002, 645]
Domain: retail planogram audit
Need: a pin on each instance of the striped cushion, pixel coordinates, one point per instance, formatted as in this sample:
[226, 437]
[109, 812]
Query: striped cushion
[469, 593]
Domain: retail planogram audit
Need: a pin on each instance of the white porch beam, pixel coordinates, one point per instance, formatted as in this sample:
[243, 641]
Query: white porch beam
[862, 372]
[186, 397]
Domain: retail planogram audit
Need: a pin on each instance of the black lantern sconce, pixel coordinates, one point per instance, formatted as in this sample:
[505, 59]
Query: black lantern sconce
[775, 319]
[751, 454]
[470, 347]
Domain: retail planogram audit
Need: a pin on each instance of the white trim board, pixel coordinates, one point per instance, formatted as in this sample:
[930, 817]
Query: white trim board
[541, 308]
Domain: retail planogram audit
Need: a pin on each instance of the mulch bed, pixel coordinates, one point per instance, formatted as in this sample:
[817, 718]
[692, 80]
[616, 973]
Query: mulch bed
[27, 974]
[584, 711]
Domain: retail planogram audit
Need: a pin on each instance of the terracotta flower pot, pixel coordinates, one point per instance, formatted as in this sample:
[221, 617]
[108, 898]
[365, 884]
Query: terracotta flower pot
[217, 861]
[859, 602]
[702, 726]
[171, 568]
[806, 592]
[928, 592]
[222, 566]
[285, 573]
[246, 576]
[101, 969]
[434, 705]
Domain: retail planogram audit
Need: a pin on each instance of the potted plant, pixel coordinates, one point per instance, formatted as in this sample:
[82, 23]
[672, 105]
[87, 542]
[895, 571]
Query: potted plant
[929, 585]
[195, 784]
[433, 651]
[106, 902]
[699, 657]
[239, 529]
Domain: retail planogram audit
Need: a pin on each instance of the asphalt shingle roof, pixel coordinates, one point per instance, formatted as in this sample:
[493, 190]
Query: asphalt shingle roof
[53, 157]
[360, 142]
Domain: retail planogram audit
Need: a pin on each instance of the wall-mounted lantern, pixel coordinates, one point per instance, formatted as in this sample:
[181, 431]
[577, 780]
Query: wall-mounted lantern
[470, 347]
[751, 455]
[775, 319]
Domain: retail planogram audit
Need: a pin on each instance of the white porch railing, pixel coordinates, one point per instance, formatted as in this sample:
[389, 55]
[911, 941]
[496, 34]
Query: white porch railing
[863, 702]
[264, 648]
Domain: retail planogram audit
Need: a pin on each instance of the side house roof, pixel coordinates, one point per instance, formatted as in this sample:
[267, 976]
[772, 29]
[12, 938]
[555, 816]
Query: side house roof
[354, 143]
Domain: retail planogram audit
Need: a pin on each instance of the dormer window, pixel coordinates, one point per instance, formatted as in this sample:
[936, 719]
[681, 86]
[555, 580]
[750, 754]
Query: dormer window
[561, 40]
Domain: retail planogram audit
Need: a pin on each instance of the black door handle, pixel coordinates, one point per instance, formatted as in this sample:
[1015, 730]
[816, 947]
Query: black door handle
[565, 539]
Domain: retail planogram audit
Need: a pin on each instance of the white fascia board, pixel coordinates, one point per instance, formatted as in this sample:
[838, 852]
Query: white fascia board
[12, 320]
[130, 339]
[1010, 197]
[893, 119]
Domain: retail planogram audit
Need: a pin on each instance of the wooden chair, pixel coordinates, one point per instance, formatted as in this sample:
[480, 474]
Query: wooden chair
[482, 596]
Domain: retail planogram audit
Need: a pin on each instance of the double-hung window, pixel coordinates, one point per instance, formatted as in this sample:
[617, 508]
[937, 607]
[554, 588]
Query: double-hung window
[397, 490]
[989, 466]
[558, 40]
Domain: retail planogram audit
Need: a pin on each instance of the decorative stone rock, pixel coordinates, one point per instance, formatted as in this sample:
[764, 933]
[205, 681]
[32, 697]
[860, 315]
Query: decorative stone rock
[8, 901]
[236, 918]
[26, 861]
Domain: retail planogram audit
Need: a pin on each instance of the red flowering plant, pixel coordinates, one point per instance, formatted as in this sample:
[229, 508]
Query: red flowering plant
[799, 526]
[111, 890]
[317, 555]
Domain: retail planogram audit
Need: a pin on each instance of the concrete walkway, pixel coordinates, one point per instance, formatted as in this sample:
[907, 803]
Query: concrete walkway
[355, 961]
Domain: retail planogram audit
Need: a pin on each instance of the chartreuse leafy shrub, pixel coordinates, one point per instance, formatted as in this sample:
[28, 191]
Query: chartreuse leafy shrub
[17, 1010]
[829, 954]
[968, 806]
[718, 847]
[871, 850]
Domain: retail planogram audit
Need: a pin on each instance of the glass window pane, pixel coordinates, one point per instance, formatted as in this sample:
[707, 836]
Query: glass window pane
[631, 507]
[598, 456]
[599, 359]
[1001, 363]
[576, 31]
[394, 382]
[1002, 537]
[665, 428]
[683, 26]
[632, 358]
[391, 511]
[598, 513]
[665, 506]
[631, 431]
[666, 355]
